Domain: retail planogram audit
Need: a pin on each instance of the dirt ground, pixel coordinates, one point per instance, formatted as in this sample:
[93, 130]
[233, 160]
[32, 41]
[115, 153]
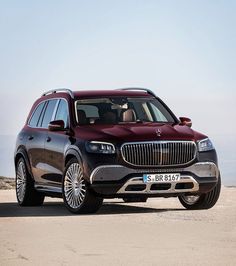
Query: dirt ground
[159, 232]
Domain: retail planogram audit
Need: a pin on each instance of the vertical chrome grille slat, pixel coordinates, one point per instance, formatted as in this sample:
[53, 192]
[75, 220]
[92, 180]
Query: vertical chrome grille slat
[137, 151]
[150, 153]
[134, 152]
[180, 153]
[159, 153]
[154, 154]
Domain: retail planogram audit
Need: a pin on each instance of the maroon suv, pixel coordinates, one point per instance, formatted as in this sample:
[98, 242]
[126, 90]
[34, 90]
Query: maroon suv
[89, 145]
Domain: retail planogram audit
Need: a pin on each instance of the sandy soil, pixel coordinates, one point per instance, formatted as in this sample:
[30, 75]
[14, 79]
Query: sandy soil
[159, 232]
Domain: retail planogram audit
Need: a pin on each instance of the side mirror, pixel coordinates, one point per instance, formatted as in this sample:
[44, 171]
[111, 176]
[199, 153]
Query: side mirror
[184, 121]
[57, 125]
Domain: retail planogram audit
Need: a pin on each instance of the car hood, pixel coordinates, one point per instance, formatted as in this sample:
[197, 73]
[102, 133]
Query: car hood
[137, 132]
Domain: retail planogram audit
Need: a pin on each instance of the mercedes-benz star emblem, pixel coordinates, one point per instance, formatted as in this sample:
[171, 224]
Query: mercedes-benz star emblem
[158, 132]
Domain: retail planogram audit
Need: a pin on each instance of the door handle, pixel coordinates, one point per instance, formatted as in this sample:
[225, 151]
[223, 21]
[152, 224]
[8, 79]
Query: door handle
[48, 139]
[30, 137]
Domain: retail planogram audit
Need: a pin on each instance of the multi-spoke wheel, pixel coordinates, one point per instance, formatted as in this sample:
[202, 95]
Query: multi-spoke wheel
[25, 193]
[190, 199]
[74, 186]
[20, 181]
[77, 197]
[203, 201]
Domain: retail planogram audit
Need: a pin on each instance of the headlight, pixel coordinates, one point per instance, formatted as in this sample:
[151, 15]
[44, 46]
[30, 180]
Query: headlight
[100, 147]
[205, 145]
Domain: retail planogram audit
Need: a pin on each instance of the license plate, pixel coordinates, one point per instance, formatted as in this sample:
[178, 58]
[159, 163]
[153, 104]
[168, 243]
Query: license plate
[161, 178]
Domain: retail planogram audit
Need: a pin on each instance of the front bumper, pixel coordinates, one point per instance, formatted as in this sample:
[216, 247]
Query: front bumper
[118, 180]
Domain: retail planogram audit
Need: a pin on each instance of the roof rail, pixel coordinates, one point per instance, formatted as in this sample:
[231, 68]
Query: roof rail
[70, 92]
[138, 89]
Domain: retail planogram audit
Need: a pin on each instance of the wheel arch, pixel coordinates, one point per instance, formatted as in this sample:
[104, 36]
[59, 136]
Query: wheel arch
[72, 153]
[21, 153]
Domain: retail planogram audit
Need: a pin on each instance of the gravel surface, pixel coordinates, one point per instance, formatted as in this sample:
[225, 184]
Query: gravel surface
[159, 232]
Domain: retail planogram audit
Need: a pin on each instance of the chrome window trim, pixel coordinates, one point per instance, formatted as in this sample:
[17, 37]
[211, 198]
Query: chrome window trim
[76, 112]
[54, 111]
[163, 142]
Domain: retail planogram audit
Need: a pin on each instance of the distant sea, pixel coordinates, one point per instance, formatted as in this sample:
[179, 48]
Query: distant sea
[225, 146]
[7, 146]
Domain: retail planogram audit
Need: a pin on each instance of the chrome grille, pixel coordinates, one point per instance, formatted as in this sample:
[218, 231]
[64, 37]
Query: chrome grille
[159, 153]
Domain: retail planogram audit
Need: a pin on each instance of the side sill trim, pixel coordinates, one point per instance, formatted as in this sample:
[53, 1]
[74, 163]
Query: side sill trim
[48, 188]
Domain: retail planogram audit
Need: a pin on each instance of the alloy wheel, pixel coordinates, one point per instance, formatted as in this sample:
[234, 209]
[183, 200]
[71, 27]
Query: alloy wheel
[21, 180]
[190, 199]
[74, 186]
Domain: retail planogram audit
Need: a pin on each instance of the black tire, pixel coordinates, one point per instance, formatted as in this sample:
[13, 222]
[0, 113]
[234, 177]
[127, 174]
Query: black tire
[77, 196]
[204, 201]
[25, 192]
[135, 199]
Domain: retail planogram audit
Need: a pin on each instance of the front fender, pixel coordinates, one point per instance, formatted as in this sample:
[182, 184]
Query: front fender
[73, 151]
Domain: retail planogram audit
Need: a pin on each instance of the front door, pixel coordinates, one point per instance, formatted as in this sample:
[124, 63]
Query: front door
[55, 143]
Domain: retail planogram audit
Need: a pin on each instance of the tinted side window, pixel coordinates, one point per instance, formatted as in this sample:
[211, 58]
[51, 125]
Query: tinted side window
[62, 112]
[35, 117]
[159, 115]
[48, 113]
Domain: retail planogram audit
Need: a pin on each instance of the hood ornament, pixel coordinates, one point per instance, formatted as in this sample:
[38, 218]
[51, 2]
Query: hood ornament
[158, 132]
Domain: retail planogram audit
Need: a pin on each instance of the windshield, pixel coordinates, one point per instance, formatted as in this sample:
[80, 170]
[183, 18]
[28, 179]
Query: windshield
[119, 110]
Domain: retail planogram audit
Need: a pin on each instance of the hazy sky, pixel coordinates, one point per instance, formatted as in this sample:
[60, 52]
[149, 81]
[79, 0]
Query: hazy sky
[183, 50]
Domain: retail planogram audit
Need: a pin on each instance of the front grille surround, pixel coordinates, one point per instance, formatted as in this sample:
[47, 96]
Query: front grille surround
[159, 153]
